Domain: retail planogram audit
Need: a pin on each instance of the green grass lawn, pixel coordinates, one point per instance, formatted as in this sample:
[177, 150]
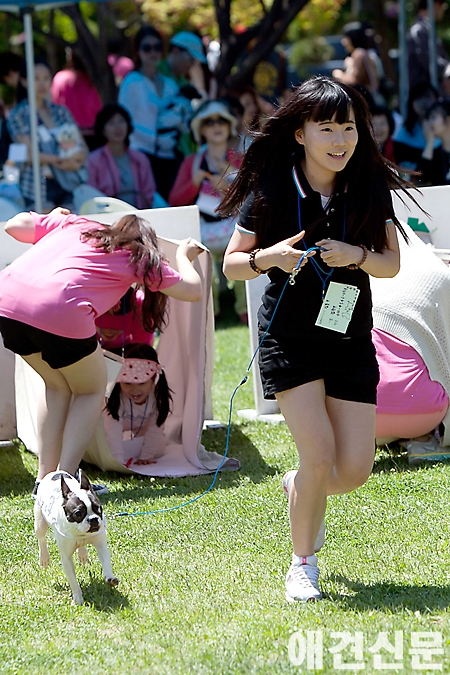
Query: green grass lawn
[202, 588]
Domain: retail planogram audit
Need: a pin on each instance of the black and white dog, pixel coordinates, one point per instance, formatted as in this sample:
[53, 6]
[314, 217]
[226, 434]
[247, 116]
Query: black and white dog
[75, 514]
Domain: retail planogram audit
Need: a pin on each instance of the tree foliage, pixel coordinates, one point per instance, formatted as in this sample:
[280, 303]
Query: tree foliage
[248, 30]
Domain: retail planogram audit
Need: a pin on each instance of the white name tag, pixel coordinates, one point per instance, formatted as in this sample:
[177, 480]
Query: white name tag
[337, 307]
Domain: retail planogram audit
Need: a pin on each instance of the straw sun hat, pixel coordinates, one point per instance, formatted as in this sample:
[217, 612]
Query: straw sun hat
[209, 109]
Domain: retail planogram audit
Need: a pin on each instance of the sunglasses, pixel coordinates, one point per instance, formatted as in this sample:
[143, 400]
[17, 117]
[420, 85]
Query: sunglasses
[148, 48]
[211, 121]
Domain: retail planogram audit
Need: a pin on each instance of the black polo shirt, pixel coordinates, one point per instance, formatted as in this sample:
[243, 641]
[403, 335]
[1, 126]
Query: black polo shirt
[301, 303]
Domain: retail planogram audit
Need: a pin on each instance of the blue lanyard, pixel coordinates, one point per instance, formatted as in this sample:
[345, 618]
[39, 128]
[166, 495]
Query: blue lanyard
[323, 275]
[142, 420]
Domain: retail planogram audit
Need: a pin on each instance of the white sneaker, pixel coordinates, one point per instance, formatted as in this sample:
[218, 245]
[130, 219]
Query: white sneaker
[302, 580]
[287, 482]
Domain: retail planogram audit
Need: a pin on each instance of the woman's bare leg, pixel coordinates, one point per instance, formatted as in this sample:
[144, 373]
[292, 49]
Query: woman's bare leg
[336, 444]
[52, 413]
[65, 429]
[87, 381]
[307, 418]
[354, 433]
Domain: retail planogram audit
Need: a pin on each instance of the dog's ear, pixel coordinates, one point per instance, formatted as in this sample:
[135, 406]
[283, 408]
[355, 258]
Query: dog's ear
[65, 489]
[84, 481]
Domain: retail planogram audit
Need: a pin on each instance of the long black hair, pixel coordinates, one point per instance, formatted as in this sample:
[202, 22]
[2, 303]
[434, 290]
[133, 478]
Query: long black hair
[136, 235]
[163, 394]
[267, 165]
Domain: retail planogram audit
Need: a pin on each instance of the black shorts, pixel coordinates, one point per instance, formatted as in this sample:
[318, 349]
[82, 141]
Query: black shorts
[348, 366]
[56, 350]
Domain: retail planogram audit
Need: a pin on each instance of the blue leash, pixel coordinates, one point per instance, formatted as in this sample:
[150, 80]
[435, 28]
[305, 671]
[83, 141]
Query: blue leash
[291, 281]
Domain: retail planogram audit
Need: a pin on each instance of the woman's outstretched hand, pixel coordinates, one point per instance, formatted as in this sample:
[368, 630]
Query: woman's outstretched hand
[285, 256]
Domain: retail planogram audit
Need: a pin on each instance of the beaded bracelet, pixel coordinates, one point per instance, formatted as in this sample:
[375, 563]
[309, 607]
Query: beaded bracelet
[356, 266]
[251, 261]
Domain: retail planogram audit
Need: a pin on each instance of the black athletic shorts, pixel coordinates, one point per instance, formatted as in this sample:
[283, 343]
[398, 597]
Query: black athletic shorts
[348, 366]
[56, 350]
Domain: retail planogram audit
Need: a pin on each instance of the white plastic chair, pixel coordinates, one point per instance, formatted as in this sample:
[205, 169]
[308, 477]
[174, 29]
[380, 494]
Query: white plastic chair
[83, 193]
[104, 205]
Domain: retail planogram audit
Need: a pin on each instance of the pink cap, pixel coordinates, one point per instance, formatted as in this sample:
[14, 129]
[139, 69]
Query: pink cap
[138, 371]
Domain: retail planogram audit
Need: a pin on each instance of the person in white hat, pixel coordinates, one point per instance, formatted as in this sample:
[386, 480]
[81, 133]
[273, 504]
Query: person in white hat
[203, 179]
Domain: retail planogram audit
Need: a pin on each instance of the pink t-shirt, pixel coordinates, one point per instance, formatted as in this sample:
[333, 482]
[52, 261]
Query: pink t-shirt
[62, 284]
[405, 387]
[128, 326]
[75, 90]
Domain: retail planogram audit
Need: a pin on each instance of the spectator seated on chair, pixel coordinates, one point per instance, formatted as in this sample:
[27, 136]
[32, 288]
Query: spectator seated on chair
[116, 169]
[436, 161]
[410, 141]
[203, 179]
[383, 127]
[63, 151]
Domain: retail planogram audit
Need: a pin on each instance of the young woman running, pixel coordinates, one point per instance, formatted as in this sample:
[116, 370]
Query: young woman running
[312, 177]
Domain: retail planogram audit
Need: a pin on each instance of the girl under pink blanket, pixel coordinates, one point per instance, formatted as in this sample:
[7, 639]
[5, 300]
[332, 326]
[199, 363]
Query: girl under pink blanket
[138, 408]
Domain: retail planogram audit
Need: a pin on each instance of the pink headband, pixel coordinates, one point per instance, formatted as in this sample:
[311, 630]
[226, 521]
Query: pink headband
[138, 371]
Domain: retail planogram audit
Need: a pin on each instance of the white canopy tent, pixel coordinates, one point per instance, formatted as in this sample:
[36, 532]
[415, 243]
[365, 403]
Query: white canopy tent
[26, 8]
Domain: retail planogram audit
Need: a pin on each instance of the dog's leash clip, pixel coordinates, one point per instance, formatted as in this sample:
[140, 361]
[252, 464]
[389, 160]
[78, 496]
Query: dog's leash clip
[292, 276]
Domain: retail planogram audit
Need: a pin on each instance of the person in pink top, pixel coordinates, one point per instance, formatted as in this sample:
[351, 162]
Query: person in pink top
[123, 324]
[121, 65]
[50, 297]
[73, 88]
[411, 334]
[114, 168]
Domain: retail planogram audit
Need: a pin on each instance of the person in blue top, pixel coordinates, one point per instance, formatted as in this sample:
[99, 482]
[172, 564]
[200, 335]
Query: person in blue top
[414, 135]
[159, 114]
[435, 164]
[313, 177]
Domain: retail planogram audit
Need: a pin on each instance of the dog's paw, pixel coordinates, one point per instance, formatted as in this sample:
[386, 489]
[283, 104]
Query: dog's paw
[77, 599]
[83, 555]
[113, 581]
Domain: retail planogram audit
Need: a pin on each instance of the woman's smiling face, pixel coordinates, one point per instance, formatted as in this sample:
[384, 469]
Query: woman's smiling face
[328, 145]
